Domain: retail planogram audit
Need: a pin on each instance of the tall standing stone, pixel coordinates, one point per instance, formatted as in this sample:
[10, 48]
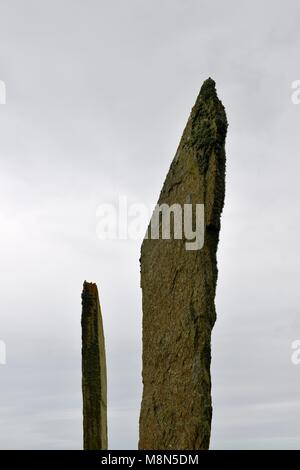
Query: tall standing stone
[178, 289]
[94, 384]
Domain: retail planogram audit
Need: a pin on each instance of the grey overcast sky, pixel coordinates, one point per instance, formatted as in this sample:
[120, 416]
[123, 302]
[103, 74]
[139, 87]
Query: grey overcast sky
[98, 93]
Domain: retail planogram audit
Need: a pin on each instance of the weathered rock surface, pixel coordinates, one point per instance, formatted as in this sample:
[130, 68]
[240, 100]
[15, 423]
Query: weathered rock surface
[178, 288]
[94, 384]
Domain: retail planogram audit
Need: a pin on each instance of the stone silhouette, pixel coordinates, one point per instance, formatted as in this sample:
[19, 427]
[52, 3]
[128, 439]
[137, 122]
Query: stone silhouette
[94, 383]
[178, 290]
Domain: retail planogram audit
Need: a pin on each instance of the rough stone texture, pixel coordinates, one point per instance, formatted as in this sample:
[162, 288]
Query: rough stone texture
[94, 385]
[178, 288]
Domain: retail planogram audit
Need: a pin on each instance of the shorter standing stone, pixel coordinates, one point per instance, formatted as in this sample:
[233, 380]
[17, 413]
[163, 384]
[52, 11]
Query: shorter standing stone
[94, 382]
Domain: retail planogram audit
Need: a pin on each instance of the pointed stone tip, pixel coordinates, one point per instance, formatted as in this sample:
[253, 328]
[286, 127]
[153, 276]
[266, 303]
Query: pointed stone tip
[209, 82]
[208, 93]
[208, 88]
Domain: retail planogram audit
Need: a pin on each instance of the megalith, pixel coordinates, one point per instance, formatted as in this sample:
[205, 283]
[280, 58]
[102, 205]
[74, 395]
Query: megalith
[94, 382]
[178, 284]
